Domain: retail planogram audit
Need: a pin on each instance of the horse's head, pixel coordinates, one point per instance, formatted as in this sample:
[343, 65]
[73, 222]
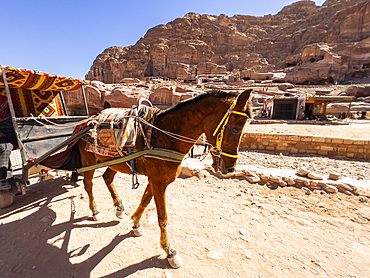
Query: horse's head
[227, 135]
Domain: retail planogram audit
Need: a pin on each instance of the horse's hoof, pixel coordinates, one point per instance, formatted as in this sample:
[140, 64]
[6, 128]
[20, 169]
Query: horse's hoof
[138, 231]
[175, 261]
[97, 217]
[119, 214]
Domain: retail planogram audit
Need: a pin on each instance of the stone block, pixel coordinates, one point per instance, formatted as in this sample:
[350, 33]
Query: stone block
[294, 150]
[318, 139]
[343, 186]
[314, 185]
[253, 179]
[337, 140]
[289, 180]
[280, 148]
[334, 176]
[265, 177]
[359, 142]
[278, 180]
[302, 172]
[315, 176]
[330, 188]
[326, 148]
[348, 141]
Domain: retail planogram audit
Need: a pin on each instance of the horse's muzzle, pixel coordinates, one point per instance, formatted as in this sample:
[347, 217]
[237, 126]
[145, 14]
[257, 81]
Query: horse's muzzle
[219, 164]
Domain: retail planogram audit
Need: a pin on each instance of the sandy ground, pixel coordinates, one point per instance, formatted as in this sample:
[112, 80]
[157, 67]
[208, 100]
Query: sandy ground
[221, 228]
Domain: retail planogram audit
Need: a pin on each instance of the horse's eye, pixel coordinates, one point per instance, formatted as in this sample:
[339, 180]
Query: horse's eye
[235, 130]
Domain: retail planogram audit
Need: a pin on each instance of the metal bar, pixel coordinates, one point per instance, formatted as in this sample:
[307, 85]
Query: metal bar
[63, 102]
[56, 119]
[84, 95]
[41, 137]
[15, 125]
[57, 148]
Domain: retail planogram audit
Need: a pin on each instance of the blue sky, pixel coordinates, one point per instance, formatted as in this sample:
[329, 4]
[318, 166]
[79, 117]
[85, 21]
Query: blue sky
[64, 37]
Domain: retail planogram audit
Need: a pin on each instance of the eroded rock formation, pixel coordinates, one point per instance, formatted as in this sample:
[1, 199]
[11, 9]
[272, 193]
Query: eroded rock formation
[311, 44]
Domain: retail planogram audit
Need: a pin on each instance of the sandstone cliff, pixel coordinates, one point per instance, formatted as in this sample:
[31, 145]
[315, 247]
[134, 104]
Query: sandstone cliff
[308, 43]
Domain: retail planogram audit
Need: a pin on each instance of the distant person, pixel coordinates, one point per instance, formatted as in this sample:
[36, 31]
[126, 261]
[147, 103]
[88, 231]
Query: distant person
[8, 141]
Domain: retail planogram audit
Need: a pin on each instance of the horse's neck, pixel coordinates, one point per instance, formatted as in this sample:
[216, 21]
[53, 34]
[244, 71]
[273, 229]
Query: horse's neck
[188, 121]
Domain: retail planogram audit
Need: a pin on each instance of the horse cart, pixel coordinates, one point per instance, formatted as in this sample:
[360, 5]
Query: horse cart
[42, 122]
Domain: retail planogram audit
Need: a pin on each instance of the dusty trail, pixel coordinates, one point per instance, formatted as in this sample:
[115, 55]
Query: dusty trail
[221, 227]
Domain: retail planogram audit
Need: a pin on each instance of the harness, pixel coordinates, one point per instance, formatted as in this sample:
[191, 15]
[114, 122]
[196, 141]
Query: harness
[170, 155]
[217, 151]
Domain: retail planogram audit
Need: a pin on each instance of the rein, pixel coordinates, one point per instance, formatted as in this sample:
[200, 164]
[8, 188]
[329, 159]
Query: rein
[162, 154]
[221, 126]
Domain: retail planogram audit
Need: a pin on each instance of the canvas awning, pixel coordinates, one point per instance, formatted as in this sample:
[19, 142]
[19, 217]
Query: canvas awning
[37, 80]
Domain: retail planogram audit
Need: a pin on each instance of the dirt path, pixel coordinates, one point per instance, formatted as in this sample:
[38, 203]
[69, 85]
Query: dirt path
[221, 227]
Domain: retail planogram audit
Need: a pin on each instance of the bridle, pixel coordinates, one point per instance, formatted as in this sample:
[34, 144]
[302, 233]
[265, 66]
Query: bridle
[217, 151]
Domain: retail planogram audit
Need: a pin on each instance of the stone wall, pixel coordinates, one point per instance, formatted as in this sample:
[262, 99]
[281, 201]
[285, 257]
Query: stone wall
[296, 144]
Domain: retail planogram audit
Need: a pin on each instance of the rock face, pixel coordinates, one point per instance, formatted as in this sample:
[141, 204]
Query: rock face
[311, 44]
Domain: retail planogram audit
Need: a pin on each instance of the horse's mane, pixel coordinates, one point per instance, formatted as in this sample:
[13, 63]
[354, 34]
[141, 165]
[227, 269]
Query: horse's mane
[213, 93]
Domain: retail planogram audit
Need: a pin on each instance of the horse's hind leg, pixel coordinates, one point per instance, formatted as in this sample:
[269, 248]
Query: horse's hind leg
[88, 177]
[160, 201]
[108, 177]
[145, 200]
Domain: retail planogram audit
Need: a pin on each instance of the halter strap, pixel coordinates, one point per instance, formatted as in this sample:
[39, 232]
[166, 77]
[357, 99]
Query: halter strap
[221, 126]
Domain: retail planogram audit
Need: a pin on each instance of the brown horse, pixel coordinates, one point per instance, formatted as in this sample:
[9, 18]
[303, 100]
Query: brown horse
[221, 116]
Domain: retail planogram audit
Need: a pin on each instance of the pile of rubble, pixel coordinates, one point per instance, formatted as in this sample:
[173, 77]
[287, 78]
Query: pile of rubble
[301, 178]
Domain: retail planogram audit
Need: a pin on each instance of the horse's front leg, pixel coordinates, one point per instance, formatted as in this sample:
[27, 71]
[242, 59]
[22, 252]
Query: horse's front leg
[145, 200]
[108, 177]
[88, 184]
[173, 257]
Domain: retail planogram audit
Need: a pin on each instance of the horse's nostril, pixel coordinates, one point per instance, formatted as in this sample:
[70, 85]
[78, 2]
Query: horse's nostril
[230, 170]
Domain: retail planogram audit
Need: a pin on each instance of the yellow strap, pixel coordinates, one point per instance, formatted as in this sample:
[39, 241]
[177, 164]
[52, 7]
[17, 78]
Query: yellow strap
[222, 125]
[240, 113]
[227, 115]
[230, 155]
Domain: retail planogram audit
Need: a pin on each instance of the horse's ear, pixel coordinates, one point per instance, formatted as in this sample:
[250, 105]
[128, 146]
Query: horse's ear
[242, 101]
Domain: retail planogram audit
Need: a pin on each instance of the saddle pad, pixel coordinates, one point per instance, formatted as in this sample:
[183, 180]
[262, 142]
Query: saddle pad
[116, 138]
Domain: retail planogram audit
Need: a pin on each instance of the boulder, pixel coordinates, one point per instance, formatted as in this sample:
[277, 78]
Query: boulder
[192, 166]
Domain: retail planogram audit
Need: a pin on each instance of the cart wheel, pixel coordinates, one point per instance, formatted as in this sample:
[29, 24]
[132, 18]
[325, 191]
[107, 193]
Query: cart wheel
[6, 198]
